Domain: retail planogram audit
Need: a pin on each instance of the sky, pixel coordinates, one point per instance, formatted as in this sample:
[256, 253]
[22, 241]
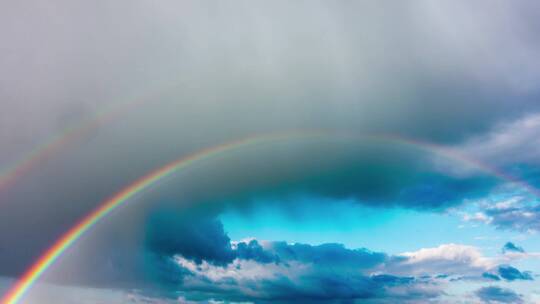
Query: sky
[421, 184]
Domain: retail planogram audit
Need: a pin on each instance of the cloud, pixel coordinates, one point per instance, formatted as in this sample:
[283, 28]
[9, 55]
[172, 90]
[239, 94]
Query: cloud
[507, 273]
[331, 272]
[252, 270]
[509, 143]
[511, 247]
[521, 218]
[374, 173]
[510, 273]
[520, 213]
[459, 262]
[264, 271]
[491, 276]
[335, 256]
[300, 277]
[252, 250]
[199, 263]
[206, 240]
[447, 259]
[494, 294]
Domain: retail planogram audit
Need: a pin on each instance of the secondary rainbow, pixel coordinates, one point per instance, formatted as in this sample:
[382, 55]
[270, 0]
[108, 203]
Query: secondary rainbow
[51, 146]
[21, 287]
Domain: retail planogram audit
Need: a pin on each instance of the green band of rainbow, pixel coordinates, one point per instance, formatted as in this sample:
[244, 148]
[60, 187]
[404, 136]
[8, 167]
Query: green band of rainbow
[22, 286]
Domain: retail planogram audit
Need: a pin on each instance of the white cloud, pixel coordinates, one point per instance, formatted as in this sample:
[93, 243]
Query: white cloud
[242, 270]
[477, 217]
[449, 259]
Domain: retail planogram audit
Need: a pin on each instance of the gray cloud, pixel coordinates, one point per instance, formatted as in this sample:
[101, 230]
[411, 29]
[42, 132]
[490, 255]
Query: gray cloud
[491, 276]
[252, 250]
[495, 294]
[520, 213]
[376, 173]
[519, 218]
[510, 143]
[167, 236]
[511, 247]
[510, 273]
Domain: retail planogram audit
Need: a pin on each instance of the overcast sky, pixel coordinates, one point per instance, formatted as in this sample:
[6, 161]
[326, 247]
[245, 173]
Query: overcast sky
[147, 82]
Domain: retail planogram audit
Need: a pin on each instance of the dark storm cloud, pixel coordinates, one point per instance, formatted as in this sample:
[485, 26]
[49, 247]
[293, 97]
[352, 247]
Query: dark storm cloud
[203, 240]
[169, 233]
[495, 294]
[370, 172]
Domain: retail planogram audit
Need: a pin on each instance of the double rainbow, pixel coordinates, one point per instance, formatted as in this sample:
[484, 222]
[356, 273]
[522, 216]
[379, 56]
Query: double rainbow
[24, 284]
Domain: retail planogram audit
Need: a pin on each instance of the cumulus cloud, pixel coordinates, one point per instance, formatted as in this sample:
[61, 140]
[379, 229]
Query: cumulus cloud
[219, 269]
[325, 274]
[448, 259]
[270, 271]
[206, 240]
[252, 250]
[331, 272]
[495, 294]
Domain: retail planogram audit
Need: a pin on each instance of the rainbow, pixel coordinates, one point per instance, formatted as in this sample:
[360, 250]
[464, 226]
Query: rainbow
[52, 145]
[23, 285]
[44, 150]
[53, 253]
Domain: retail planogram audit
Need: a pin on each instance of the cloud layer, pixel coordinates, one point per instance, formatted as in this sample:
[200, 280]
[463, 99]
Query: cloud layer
[280, 272]
[198, 74]
[494, 294]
